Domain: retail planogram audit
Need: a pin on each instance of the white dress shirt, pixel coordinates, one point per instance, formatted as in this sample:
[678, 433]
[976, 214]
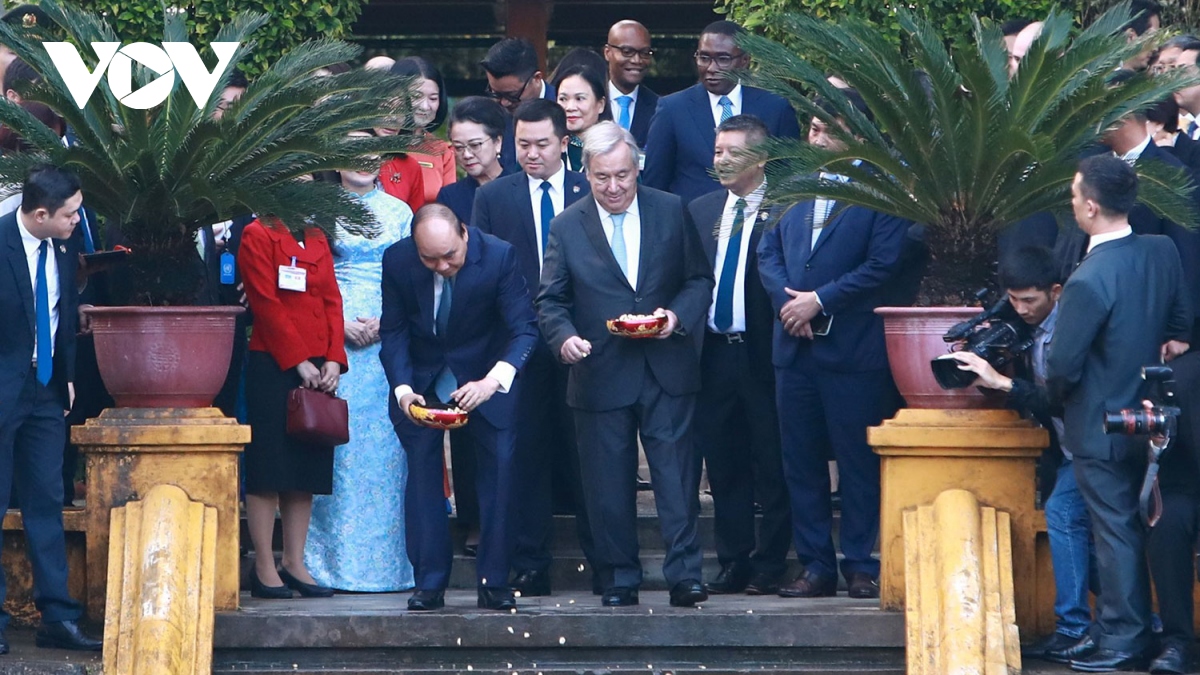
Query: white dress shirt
[557, 197]
[615, 108]
[725, 231]
[503, 372]
[1133, 155]
[1097, 239]
[735, 97]
[31, 244]
[631, 228]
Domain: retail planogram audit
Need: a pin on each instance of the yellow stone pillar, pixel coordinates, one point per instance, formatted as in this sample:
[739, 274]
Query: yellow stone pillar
[131, 450]
[160, 586]
[990, 453]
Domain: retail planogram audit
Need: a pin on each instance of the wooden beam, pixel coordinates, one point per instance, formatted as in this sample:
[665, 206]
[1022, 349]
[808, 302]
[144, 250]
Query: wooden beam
[529, 19]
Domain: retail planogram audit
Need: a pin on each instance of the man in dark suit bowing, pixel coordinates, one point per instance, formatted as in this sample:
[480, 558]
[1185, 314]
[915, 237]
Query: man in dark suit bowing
[628, 54]
[1123, 308]
[518, 209]
[39, 299]
[826, 268]
[457, 325]
[679, 143]
[514, 76]
[736, 424]
[630, 250]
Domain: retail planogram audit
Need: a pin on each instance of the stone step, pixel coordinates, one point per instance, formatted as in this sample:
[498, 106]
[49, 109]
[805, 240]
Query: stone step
[569, 633]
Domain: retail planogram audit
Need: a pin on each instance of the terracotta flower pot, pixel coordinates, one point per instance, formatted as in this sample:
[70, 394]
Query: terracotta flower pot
[163, 357]
[914, 338]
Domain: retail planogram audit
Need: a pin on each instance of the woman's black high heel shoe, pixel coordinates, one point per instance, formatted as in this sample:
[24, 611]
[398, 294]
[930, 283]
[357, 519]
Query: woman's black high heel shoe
[260, 590]
[305, 590]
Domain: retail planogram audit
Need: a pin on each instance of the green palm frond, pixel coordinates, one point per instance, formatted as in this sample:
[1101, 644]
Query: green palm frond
[161, 174]
[960, 148]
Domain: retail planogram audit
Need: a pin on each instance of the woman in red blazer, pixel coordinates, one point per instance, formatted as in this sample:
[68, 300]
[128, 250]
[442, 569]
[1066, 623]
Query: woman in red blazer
[297, 341]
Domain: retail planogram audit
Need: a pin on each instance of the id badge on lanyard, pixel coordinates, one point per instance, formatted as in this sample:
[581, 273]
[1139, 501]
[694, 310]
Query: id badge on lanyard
[292, 278]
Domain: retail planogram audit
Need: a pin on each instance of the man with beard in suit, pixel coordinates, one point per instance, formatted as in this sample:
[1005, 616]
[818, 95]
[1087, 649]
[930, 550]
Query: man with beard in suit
[678, 145]
[519, 208]
[630, 250]
[736, 424]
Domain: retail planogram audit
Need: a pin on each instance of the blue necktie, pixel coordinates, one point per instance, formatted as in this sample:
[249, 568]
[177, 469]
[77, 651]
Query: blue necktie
[547, 214]
[446, 383]
[45, 358]
[618, 243]
[726, 107]
[1191, 130]
[89, 246]
[624, 119]
[723, 315]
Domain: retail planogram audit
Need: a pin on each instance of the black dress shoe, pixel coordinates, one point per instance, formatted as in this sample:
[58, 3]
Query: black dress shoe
[763, 584]
[496, 598]
[1083, 648]
[620, 596]
[65, 635]
[1173, 659]
[732, 579]
[532, 583]
[1108, 661]
[260, 590]
[862, 586]
[3, 643]
[424, 601]
[687, 593]
[305, 590]
[810, 585]
[1055, 642]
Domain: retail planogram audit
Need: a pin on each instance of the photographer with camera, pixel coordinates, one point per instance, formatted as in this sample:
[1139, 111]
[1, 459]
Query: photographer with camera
[1123, 308]
[1030, 279]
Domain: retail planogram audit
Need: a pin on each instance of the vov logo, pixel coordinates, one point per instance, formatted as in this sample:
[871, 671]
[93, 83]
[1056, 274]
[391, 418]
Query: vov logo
[173, 58]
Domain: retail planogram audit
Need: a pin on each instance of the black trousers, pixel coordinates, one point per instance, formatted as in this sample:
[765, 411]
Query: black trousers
[608, 459]
[1110, 489]
[545, 442]
[1170, 548]
[31, 458]
[737, 434]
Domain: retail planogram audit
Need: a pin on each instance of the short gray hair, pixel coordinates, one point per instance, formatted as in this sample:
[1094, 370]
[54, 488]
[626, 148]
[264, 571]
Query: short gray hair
[603, 138]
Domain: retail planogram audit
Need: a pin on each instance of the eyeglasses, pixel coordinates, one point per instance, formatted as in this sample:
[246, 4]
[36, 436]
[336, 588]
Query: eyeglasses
[630, 52]
[723, 60]
[513, 97]
[476, 147]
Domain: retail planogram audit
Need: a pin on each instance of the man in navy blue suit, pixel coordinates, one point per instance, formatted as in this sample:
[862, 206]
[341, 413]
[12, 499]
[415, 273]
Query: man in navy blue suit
[682, 133]
[39, 298]
[514, 76]
[518, 208]
[629, 55]
[826, 269]
[457, 325]
[736, 423]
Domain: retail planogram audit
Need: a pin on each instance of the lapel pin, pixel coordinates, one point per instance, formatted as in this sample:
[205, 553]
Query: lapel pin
[62, 249]
[575, 189]
[763, 215]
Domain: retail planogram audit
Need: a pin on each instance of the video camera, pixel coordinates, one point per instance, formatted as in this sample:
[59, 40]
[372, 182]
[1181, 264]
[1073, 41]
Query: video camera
[999, 342]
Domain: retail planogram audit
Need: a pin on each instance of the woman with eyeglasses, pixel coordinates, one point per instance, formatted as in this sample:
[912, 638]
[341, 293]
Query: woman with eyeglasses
[581, 93]
[476, 134]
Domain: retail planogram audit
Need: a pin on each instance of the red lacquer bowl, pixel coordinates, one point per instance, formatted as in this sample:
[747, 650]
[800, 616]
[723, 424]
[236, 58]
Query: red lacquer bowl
[644, 326]
[438, 415]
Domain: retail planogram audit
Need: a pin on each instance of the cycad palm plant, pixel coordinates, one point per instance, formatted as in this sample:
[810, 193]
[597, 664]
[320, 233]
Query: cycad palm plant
[159, 175]
[956, 145]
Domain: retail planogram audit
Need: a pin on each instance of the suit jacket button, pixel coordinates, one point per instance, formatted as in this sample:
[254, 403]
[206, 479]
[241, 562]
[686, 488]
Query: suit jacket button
[637, 299]
[807, 266]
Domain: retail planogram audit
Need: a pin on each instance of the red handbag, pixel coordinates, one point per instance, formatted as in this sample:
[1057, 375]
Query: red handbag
[317, 418]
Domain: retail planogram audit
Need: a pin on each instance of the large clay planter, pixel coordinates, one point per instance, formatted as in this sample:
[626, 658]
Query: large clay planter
[163, 357]
[914, 338]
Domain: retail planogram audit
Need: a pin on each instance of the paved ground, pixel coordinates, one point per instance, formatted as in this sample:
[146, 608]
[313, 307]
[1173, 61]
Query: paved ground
[27, 659]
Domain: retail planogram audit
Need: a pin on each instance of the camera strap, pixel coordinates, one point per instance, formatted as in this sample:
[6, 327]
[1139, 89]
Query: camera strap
[1150, 498]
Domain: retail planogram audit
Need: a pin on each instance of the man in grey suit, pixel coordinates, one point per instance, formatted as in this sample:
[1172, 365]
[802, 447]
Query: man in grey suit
[1124, 307]
[632, 250]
